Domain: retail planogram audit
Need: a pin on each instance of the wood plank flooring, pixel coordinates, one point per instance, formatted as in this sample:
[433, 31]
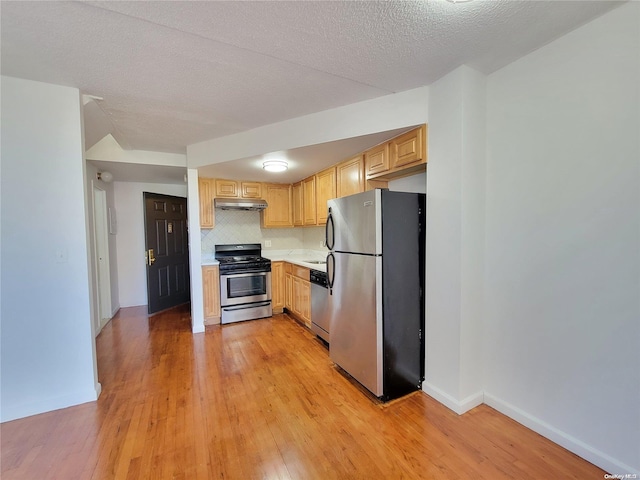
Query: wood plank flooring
[260, 400]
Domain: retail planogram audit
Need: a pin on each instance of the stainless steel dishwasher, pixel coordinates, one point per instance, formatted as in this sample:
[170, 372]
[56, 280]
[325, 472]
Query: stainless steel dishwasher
[319, 309]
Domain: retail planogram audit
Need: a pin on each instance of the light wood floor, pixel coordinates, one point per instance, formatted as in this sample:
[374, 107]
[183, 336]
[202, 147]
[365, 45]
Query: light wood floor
[259, 400]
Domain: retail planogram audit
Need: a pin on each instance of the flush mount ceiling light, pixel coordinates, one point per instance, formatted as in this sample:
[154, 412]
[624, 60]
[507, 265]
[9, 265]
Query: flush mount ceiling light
[105, 176]
[275, 165]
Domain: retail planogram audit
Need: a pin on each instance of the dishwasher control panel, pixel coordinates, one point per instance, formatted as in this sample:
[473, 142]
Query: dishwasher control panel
[318, 278]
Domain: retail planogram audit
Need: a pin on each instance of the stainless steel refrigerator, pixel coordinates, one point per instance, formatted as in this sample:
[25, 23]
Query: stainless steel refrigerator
[376, 273]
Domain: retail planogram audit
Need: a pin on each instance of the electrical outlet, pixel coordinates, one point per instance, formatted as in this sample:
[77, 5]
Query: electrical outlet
[267, 243]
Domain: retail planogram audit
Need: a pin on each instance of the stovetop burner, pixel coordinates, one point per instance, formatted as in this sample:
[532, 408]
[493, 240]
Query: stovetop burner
[251, 261]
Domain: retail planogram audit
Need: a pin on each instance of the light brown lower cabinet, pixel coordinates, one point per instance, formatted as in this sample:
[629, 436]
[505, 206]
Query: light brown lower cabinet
[298, 293]
[277, 287]
[302, 299]
[288, 291]
[211, 294]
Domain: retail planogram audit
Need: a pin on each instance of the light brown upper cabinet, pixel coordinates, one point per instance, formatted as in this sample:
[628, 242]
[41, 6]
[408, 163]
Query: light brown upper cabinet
[376, 160]
[226, 188]
[408, 148]
[350, 177]
[206, 187]
[234, 189]
[306, 201]
[309, 200]
[251, 190]
[297, 204]
[404, 155]
[325, 190]
[278, 212]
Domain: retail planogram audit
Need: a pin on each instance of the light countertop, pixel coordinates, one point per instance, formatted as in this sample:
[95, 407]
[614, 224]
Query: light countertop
[208, 260]
[298, 257]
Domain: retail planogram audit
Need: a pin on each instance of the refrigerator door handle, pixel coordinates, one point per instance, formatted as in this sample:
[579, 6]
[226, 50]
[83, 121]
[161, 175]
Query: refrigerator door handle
[331, 272]
[329, 242]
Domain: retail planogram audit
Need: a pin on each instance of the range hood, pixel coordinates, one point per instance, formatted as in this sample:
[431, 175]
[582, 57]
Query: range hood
[240, 203]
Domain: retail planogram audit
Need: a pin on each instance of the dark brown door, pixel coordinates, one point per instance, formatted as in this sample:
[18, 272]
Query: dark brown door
[167, 251]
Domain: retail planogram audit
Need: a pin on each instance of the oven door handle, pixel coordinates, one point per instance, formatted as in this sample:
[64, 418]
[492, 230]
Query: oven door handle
[245, 306]
[244, 274]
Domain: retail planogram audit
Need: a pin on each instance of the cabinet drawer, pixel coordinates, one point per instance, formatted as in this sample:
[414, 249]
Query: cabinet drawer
[300, 272]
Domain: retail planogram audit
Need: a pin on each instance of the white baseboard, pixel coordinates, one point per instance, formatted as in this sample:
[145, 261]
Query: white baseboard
[21, 410]
[601, 459]
[458, 406]
[103, 322]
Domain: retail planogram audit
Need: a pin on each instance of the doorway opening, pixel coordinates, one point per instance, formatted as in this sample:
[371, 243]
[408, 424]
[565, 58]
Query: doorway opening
[102, 269]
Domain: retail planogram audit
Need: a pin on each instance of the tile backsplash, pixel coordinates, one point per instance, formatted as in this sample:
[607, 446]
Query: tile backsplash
[240, 226]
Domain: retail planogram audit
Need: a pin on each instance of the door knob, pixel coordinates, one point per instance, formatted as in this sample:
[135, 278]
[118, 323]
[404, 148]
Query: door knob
[149, 257]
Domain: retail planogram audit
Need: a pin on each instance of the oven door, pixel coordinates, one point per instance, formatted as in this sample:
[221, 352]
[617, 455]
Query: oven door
[239, 288]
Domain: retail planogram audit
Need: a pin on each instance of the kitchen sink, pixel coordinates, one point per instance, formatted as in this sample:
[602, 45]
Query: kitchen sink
[315, 262]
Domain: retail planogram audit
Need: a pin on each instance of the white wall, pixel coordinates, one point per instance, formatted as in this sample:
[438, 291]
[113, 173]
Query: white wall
[455, 239]
[130, 242]
[562, 329]
[47, 344]
[195, 247]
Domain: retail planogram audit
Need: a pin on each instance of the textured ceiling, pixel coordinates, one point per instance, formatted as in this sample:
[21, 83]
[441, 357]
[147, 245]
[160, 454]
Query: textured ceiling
[176, 73]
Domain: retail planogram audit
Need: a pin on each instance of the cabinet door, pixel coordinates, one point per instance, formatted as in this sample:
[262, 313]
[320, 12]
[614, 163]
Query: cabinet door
[278, 212]
[297, 295]
[297, 203]
[205, 193]
[325, 190]
[408, 148]
[288, 291]
[305, 302]
[350, 177]
[376, 160]
[309, 200]
[251, 190]
[277, 286]
[211, 293]
[226, 188]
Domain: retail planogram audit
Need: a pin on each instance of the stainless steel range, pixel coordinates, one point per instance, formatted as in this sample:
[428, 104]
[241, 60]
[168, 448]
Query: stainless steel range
[245, 282]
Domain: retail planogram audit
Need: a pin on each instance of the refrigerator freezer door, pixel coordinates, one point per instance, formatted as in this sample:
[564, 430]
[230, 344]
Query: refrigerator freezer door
[354, 224]
[356, 319]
